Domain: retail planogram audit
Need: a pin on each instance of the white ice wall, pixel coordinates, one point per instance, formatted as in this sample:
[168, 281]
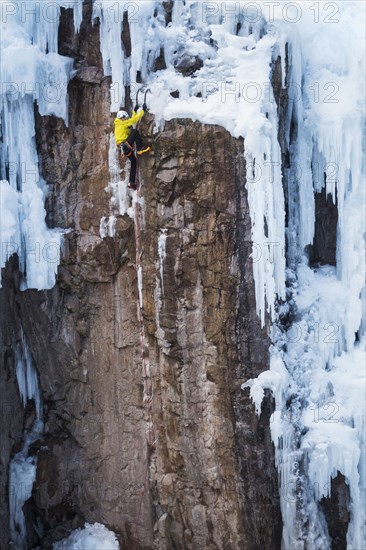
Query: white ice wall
[32, 71]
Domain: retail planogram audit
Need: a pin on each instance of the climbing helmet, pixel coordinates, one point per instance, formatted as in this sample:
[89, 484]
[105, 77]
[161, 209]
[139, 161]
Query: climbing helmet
[122, 115]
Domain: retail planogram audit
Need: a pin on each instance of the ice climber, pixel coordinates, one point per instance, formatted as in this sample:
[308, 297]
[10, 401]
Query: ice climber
[126, 138]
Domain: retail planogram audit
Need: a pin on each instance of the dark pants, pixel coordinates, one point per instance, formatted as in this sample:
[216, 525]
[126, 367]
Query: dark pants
[133, 138]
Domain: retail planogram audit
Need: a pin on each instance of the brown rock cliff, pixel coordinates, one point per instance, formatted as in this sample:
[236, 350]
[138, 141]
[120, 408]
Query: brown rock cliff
[210, 480]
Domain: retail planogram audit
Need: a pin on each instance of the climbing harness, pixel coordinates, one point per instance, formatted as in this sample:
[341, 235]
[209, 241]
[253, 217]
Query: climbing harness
[123, 154]
[130, 147]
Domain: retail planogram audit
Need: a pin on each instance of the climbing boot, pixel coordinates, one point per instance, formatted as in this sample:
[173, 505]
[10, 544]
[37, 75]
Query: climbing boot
[143, 150]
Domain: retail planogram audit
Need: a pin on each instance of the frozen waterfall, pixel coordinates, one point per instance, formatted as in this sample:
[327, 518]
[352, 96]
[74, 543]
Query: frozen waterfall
[314, 312]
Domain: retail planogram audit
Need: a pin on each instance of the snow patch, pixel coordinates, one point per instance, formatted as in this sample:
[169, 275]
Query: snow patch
[107, 226]
[92, 537]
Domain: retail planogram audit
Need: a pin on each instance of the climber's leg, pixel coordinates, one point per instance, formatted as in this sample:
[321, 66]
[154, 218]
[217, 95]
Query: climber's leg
[132, 159]
[135, 137]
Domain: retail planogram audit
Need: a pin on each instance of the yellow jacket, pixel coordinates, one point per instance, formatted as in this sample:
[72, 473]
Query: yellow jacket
[122, 127]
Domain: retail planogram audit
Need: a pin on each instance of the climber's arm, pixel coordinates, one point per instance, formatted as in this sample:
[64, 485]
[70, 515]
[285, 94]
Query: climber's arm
[135, 117]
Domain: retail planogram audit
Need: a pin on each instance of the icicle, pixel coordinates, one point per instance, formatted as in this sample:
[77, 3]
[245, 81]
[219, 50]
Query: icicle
[322, 392]
[110, 14]
[32, 71]
[78, 14]
[22, 474]
[27, 377]
[162, 253]
[22, 469]
[139, 282]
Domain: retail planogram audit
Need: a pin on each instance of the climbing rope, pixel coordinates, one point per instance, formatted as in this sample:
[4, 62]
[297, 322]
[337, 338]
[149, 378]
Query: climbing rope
[144, 353]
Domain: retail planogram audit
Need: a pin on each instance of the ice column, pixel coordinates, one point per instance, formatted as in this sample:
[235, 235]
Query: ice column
[32, 71]
[22, 469]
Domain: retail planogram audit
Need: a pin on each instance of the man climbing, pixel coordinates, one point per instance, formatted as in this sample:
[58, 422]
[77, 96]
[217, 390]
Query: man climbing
[126, 138]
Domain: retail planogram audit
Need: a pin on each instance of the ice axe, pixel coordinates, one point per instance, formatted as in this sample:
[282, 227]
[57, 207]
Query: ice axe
[137, 99]
[145, 94]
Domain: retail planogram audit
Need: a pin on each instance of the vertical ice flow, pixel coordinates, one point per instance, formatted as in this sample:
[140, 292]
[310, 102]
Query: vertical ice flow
[162, 253]
[22, 469]
[318, 428]
[32, 71]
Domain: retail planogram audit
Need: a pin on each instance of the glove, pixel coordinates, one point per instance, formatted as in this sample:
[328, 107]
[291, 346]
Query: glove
[144, 107]
[136, 107]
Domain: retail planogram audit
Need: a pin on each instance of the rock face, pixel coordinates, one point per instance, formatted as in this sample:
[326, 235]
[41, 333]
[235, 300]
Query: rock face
[208, 480]
[336, 511]
[323, 251]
